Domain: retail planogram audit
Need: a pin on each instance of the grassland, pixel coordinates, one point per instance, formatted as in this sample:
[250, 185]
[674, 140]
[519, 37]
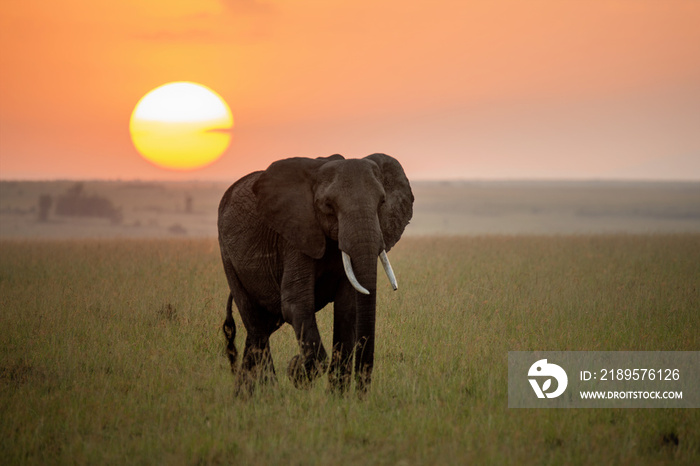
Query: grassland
[111, 353]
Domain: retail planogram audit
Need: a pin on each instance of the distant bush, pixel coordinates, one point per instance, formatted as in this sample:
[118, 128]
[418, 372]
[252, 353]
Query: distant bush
[45, 201]
[75, 203]
[177, 229]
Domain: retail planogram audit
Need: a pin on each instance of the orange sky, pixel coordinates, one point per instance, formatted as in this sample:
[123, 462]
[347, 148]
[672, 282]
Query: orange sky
[454, 89]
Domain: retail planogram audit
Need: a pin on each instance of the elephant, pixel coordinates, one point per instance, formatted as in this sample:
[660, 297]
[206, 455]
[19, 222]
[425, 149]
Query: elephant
[301, 234]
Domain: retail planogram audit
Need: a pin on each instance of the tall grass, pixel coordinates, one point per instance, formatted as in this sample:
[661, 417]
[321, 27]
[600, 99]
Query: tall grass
[111, 352]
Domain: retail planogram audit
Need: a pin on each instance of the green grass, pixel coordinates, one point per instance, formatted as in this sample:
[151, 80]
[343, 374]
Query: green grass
[111, 352]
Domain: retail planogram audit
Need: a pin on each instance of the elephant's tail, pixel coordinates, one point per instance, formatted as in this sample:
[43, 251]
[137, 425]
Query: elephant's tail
[230, 334]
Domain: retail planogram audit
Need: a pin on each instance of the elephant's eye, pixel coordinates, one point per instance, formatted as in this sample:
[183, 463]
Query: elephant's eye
[328, 207]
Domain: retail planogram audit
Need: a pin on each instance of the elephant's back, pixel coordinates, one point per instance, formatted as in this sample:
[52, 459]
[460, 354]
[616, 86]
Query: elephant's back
[239, 192]
[237, 204]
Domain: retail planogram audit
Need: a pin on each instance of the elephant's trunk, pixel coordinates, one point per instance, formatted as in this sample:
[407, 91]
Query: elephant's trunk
[361, 242]
[365, 317]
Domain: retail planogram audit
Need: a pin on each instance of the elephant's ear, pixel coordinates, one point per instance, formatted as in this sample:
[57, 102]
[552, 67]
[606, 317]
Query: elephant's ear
[285, 201]
[397, 211]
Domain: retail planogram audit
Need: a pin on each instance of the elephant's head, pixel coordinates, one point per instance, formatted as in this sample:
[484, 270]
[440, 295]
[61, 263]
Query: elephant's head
[363, 204]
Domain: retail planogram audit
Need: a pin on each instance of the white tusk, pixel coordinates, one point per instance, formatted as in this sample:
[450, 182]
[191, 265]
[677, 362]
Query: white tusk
[347, 265]
[389, 271]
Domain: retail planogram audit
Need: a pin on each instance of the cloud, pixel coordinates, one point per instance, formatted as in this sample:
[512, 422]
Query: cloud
[248, 6]
[173, 36]
[238, 22]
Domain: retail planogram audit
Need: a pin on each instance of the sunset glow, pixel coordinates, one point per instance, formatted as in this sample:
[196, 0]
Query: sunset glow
[479, 89]
[181, 126]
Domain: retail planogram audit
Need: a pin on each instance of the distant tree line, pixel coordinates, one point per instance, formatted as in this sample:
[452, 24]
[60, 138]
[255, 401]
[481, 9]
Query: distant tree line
[75, 203]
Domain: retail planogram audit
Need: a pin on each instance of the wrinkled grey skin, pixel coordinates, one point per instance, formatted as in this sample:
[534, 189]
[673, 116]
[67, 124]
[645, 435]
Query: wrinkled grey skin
[281, 232]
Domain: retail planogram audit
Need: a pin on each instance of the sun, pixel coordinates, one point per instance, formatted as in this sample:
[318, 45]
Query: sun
[181, 126]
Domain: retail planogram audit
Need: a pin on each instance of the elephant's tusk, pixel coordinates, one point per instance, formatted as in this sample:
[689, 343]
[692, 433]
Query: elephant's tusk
[347, 265]
[389, 271]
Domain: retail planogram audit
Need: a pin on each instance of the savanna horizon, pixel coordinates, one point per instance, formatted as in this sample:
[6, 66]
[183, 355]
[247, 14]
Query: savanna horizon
[187, 208]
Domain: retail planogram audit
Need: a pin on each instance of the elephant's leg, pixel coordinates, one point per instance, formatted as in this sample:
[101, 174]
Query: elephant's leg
[298, 309]
[259, 324]
[257, 362]
[257, 365]
[343, 338]
[311, 362]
